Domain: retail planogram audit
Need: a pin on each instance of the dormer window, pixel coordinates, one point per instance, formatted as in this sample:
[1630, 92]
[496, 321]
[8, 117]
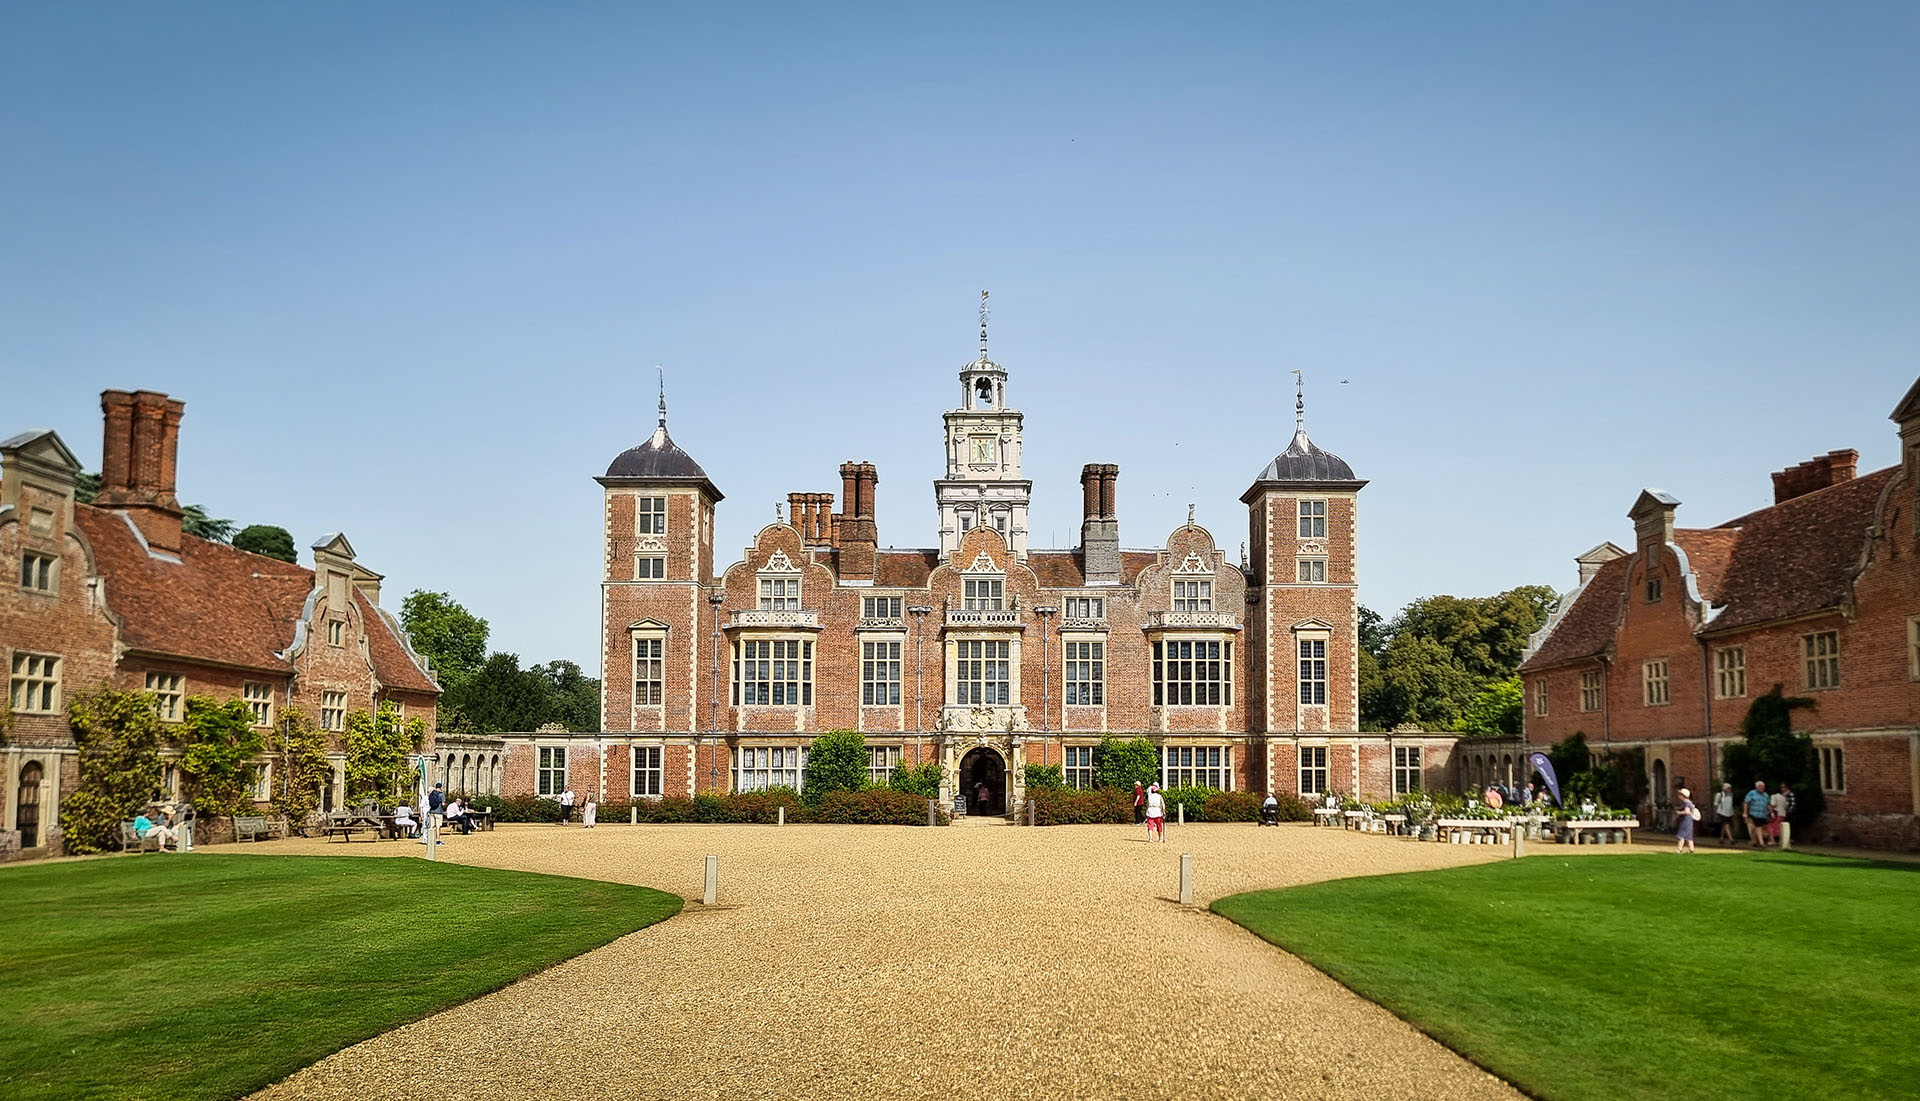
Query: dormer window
[984, 594]
[780, 594]
[1193, 596]
[1653, 588]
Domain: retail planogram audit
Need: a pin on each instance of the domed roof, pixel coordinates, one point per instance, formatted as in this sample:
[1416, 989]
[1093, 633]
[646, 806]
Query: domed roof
[1303, 462]
[659, 457]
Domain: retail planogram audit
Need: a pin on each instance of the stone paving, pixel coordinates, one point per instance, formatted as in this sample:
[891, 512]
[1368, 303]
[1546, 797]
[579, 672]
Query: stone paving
[980, 961]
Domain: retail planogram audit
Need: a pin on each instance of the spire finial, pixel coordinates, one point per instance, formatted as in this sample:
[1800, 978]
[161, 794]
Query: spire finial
[663, 394]
[777, 518]
[1189, 512]
[983, 326]
[1299, 403]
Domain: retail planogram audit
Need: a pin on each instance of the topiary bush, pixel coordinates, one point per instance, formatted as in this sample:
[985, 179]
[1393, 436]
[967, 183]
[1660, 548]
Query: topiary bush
[923, 780]
[837, 761]
[1068, 807]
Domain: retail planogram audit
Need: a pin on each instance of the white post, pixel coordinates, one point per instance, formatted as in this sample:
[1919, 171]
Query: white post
[713, 880]
[633, 816]
[1181, 813]
[1186, 879]
[933, 812]
[430, 832]
[1519, 841]
[1786, 836]
[782, 819]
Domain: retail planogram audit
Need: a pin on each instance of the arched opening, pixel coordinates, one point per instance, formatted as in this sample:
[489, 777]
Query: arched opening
[1660, 796]
[983, 780]
[1506, 770]
[29, 817]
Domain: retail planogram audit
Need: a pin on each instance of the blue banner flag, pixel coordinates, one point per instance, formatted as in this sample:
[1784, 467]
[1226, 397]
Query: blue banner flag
[1545, 768]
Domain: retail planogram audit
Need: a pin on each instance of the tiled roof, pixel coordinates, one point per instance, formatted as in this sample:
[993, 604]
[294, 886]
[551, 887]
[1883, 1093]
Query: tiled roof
[216, 604]
[1798, 556]
[1056, 569]
[1587, 628]
[1709, 551]
[905, 569]
[391, 662]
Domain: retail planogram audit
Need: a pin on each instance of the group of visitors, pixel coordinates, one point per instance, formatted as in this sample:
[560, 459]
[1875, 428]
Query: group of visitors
[456, 813]
[168, 830]
[1150, 807]
[1763, 813]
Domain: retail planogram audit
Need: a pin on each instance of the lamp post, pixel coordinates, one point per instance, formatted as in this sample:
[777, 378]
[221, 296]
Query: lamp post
[714, 600]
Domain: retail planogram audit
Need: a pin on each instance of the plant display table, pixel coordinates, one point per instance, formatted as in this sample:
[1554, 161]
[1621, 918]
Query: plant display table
[1501, 829]
[1572, 828]
[1326, 816]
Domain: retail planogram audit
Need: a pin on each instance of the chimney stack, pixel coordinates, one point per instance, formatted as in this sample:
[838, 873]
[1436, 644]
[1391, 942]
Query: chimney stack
[1099, 526]
[139, 458]
[1816, 473]
[856, 533]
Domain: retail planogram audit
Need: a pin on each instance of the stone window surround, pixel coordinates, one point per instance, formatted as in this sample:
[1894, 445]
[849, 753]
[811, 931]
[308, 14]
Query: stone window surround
[1540, 697]
[1226, 665]
[649, 566]
[881, 761]
[34, 674]
[1729, 672]
[1831, 762]
[649, 514]
[1076, 767]
[1314, 775]
[658, 638]
[169, 692]
[646, 761]
[1408, 769]
[37, 567]
[550, 778]
[893, 662]
[805, 655]
[1094, 660]
[1310, 570]
[956, 641]
[1820, 660]
[1222, 752]
[259, 697]
[333, 711]
[1312, 514]
[1913, 648]
[784, 760]
[1656, 683]
[1592, 691]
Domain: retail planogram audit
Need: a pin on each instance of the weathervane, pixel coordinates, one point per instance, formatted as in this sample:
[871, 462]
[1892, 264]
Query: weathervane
[983, 326]
[663, 394]
[1299, 403]
[1189, 512]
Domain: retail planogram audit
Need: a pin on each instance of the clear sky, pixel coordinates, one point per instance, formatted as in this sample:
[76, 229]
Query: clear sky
[410, 266]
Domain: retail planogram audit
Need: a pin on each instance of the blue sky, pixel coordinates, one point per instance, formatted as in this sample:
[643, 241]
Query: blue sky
[410, 267]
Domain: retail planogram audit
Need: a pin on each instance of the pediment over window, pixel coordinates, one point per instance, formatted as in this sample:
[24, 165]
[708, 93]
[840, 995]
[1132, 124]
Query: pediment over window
[1193, 563]
[982, 563]
[648, 625]
[1315, 624]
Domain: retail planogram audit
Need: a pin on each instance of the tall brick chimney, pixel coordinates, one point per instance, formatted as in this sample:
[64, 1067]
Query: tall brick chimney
[1099, 527]
[1818, 472]
[855, 531]
[139, 455]
[811, 515]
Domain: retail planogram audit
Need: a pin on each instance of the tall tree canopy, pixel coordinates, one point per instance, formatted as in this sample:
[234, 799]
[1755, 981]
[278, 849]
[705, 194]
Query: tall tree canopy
[267, 539]
[1447, 662]
[452, 638]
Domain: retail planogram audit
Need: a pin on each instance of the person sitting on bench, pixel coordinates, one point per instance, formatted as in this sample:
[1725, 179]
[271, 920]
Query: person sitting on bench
[457, 816]
[403, 822]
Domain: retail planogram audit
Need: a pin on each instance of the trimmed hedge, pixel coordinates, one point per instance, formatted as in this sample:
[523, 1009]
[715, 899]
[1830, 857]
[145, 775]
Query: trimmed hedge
[1071, 807]
[873, 807]
[1115, 805]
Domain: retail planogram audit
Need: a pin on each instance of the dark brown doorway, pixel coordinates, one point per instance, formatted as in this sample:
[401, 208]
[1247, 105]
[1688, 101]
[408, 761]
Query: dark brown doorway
[29, 817]
[983, 780]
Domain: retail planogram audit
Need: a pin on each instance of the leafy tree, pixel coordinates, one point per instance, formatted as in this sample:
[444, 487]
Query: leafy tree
[1044, 777]
[268, 540]
[377, 748]
[452, 638]
[86, 487]
[1424, 683]
[1496, 711]
[1771, 751]
[1373, 632]
[304, 767]
[195, 522]
[218, 747]
[118, 734]
[573, 698]
[922, 780]
[1118, 764]
[502, 696]
[1440, 653]
[837, 761]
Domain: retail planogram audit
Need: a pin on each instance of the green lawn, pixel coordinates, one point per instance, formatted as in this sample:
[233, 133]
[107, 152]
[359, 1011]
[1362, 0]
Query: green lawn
[209, 976]
[1773, 976]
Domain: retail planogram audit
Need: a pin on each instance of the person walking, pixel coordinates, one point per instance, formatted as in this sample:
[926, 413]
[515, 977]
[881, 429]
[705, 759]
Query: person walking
[1685, 815]
[566, 806]
[1723, 810]
[592, 811]
[1156, 815]
[1759, 811]
[1776, 813]
[1139, 803]
[436, 805]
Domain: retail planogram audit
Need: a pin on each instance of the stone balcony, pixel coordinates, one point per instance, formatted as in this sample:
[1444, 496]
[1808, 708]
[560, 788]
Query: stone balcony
[1219, 621]
[984, 619]
[806, 621]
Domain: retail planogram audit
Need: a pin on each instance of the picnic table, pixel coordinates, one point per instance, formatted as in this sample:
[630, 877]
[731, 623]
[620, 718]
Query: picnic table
[348, 823]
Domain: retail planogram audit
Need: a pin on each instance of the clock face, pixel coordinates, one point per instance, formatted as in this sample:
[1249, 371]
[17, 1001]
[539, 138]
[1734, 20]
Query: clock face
[983, 449]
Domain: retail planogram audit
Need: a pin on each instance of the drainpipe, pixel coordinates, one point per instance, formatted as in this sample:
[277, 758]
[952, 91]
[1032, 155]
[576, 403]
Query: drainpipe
[1046, 675]
[1706, 711]
[919, 613]
[714, 600]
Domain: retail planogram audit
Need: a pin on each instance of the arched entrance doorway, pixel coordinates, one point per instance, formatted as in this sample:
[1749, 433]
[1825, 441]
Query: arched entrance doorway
[29, 816]
[984, 768]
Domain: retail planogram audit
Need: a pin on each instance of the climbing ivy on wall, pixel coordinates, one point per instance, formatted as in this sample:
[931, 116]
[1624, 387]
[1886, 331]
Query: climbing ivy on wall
[377, 748]
[118, 735]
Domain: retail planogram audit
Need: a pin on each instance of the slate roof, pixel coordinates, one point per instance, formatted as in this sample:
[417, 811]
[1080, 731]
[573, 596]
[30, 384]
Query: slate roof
[221, 605]
[1791, 559]
[1055, 569]
[659, 459]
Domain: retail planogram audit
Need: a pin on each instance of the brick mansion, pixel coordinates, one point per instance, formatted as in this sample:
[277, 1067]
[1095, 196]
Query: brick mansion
[981, 653]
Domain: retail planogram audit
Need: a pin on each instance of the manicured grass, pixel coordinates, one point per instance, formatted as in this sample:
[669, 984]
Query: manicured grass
[1637, 976]
[208, 976]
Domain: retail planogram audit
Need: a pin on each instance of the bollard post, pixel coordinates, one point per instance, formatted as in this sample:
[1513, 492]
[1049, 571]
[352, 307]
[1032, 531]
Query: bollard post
[933, 813]
[431, 832]
[782, 819]
[1180, 811]
[1186, 879]
[1519, 843]
[1786, 836]
[633, 816]
[1032, 813]
[712, 892]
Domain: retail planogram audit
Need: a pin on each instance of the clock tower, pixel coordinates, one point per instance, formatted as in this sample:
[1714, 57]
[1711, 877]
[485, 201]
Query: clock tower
[983, 487]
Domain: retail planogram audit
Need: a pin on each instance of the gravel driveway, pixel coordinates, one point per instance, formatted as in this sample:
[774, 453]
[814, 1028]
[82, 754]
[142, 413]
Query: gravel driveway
[977, 962]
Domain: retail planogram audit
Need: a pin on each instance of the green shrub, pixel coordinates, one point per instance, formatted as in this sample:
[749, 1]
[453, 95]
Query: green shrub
[1234, 806]
[1118, 764]
[668, 808]
[118, 734]
[1069, 807]
[837, 761]
[1293, 808]
[873, 807]
[1194, 797]
[923, 780]
[1044, 778]
[519, 808]
[614, 812]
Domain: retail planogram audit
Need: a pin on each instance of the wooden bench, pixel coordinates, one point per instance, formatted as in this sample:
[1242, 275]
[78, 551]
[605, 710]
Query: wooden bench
[130, 839]
[253, 827]
[346, 825]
